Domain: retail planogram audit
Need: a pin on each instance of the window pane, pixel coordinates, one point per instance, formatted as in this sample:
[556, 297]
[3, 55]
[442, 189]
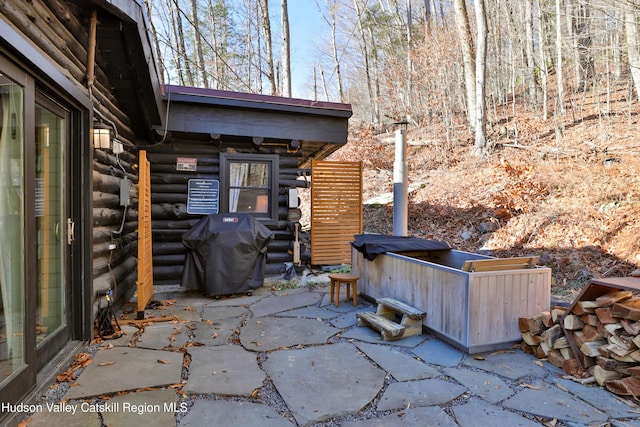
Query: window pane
[249, 200]
[11, 227]
[249, 186]
[258, 175]
[246, 174]
[50, 216]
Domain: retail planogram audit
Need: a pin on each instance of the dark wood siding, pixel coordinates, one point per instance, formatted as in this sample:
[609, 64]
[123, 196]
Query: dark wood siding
[170, 219]
[60, 30]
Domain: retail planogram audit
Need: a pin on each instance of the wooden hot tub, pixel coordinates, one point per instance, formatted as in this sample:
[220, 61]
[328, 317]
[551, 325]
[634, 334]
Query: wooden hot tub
[474, 311]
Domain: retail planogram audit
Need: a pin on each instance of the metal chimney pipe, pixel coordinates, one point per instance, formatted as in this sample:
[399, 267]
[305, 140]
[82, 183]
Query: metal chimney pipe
[400, 184]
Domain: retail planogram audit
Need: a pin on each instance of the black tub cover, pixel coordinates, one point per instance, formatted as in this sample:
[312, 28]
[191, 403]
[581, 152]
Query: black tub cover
[227, 254]
[373, 244]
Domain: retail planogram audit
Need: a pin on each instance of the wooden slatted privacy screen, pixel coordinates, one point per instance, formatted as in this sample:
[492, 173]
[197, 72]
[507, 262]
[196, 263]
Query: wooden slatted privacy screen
[336, 210]
[145, 265]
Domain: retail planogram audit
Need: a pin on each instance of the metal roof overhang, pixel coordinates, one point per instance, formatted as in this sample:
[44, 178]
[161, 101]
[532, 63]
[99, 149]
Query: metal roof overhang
[321, 127]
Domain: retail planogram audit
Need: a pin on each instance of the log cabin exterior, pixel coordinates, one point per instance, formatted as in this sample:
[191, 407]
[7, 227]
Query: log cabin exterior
[216, 131]
[69, 208]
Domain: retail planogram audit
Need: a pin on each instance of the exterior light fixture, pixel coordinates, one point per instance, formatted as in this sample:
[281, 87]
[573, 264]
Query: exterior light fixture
[101, 136]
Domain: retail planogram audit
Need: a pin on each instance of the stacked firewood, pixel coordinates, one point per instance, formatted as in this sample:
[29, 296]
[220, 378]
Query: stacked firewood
[606, 337]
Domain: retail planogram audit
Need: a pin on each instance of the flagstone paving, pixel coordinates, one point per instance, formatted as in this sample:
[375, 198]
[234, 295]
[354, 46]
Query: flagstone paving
[291, 358]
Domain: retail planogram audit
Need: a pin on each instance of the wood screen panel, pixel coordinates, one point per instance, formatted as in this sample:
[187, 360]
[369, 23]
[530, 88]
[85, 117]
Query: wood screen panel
[145, 264]
[336, 210]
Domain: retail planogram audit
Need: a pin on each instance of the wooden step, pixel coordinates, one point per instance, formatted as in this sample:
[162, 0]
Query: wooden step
[398, 307]
[389, 330]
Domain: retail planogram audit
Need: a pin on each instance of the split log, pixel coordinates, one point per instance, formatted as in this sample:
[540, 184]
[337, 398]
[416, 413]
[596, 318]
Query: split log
[579, 338]
[603, 376]
[634, 371]
[572, 367]
[556, 359]
[561, 343]
[611, 364]
[566, 352]
[628, 386]
[591, 333]
[551, 335]
[629, 309]
[584, 307]
[591, 348]
[573, 322]
[547, 319]
[557, 313]
[632, 328]
[605, 316]
[590, 319]
[536, 325]
[613, 297]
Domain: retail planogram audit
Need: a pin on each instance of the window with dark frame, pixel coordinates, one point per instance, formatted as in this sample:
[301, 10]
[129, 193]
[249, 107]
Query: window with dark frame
[250, 184]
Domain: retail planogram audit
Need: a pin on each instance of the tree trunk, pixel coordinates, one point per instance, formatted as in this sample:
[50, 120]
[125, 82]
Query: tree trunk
[376, 79]
[154, 34]
[542, 60]
[560, 78]
[481, 146]
[334, 45]
[529, 52]
[268, 43]
[198, 40]
[409, 58]
[365, 55]
[468, 59]
[585, 64]
[177, 59]
[182, 52]
[286, 51]
[633, 53]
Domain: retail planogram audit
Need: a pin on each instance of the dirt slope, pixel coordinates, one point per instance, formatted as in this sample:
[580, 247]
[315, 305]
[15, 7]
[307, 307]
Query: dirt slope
[573, 199]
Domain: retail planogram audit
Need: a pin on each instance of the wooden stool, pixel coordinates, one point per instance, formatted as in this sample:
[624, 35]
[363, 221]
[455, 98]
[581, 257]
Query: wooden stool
[348, 279]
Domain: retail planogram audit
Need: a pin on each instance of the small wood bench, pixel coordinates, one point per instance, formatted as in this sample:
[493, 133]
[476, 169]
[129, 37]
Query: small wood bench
[498, 264]
[383, 319]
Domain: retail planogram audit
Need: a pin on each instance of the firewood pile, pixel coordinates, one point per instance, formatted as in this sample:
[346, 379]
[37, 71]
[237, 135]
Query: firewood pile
[598, 340]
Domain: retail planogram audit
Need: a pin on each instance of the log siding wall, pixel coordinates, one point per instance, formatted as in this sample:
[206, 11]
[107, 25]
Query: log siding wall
[170, 219]
[60, 30]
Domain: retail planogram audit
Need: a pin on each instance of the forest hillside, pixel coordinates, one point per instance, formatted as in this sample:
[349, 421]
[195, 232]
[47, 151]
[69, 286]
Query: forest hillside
[576, 202]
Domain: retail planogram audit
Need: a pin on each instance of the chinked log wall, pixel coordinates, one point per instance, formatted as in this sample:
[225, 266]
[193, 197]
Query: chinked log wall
[170, 219]
[60, 30]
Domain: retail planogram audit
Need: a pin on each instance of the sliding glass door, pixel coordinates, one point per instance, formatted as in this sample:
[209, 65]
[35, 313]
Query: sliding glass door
[36, 231]
[12, 260]
[53, 228]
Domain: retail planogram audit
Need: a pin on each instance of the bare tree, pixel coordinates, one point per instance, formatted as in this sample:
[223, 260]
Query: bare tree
[559, 75]
[182, 47]
[468, 58]
[268, 45]
[481, 146]
[201, 65]
[331, 20]
[631, 27]
[286, 50]
[532, 87]
[542, 59]
[365, 56]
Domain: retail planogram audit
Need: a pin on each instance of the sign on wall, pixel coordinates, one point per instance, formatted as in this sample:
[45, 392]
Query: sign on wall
[203, 196]
[187, 164]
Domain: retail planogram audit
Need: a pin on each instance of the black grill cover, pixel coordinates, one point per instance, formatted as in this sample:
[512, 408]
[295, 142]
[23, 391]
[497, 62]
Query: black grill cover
[373, 244]
[227, 254]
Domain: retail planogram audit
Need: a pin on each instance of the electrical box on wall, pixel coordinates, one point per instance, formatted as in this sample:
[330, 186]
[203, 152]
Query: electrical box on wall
[117, 147]
[293, 198]
[125, 190]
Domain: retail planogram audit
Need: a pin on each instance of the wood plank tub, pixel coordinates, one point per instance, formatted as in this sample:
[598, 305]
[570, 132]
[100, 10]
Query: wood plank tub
[475, 311]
